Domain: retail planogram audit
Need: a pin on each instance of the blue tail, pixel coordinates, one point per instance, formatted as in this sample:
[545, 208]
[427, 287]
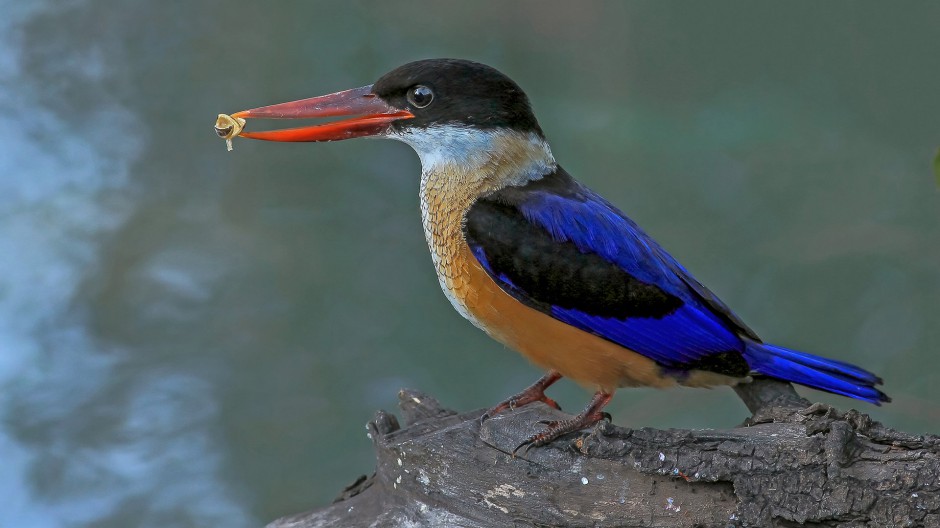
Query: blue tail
[813, 371]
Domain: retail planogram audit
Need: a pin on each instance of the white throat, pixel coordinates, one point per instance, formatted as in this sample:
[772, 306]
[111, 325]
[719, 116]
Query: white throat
[504, 157]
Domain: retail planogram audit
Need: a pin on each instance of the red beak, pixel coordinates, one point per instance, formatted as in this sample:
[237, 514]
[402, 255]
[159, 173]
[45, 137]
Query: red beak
[375, 116]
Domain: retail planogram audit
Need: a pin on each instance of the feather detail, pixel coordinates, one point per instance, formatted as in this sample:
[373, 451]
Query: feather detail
[558, 247]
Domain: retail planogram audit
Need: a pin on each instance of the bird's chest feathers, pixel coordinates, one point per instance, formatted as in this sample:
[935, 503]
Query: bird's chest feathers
[444, 203]
[451, 181]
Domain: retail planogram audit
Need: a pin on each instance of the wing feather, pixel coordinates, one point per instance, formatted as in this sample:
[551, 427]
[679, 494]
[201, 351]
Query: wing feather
[560, 248]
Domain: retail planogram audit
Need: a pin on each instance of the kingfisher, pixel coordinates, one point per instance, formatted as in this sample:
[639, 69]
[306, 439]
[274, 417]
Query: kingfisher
[539, 261]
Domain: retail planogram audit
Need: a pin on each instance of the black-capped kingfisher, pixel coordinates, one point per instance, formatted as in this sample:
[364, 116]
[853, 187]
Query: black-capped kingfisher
[542, 263]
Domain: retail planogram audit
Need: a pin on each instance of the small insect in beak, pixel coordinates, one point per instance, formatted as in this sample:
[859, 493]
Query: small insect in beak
[228, 127]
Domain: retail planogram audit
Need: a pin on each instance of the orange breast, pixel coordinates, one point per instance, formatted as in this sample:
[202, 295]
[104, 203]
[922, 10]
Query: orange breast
[446, 195]
[583, 357]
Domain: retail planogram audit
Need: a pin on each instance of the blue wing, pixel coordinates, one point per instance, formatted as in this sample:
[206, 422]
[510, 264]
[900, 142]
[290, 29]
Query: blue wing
[560, 248]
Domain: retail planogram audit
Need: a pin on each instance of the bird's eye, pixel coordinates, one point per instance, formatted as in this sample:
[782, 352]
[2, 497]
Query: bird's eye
[420, 96]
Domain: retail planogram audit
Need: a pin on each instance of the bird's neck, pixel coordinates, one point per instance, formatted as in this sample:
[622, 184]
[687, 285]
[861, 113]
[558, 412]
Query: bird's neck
[458, 166]
[465, 160]
[461, 164]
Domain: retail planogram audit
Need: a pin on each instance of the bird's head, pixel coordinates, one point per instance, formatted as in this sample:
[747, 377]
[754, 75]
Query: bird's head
[454, 113]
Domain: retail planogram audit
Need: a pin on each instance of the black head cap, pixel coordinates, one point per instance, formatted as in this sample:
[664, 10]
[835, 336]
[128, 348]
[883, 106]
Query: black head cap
[455, 91]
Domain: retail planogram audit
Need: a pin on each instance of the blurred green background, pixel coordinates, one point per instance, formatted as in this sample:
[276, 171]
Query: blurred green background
[190, 337]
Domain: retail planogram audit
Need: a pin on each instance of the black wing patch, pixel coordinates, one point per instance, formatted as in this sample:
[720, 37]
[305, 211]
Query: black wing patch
[558, 273]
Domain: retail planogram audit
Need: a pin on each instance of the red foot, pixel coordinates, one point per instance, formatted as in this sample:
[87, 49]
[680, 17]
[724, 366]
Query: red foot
[588, 417]
[536, 392]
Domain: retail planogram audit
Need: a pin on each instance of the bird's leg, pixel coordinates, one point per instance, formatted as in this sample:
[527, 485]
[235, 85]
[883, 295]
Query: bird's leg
[588, 417]
[535, 392]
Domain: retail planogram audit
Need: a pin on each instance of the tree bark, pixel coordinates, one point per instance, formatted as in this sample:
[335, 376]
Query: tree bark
[790, 464]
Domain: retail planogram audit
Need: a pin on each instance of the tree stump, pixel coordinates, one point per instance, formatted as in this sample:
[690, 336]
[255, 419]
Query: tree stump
[790, 464]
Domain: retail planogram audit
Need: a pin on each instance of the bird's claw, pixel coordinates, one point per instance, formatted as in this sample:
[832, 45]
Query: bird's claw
[553, 429]
[532, 441]
[502, 406]
[533, 393]
[556, 428]
[514, 403]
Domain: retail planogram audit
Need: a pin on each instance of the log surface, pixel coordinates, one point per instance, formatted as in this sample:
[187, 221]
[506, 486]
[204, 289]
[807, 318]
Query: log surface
[790, 464]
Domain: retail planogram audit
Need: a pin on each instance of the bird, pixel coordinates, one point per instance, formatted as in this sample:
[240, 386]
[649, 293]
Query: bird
[539, 261]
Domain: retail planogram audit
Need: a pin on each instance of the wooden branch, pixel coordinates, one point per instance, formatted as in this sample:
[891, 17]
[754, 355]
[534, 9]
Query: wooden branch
[788, 465]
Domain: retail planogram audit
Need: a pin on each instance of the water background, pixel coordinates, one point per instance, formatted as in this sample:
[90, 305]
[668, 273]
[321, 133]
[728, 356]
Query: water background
[190, 337]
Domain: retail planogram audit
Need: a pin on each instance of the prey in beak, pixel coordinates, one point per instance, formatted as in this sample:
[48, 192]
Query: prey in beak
[373, 117]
